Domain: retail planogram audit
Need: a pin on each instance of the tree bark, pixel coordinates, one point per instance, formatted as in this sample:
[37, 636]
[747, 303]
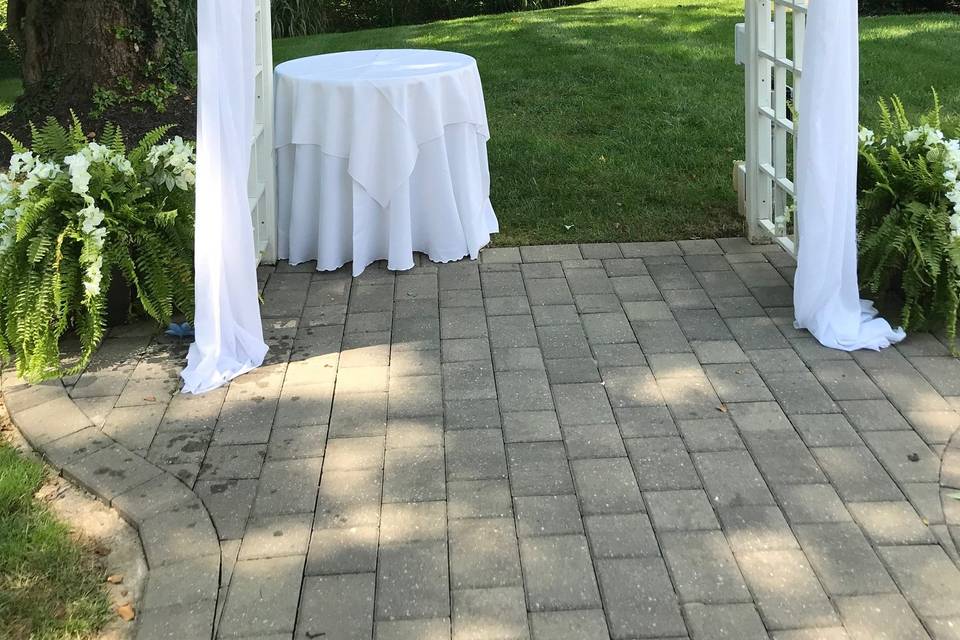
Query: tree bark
[71, 47]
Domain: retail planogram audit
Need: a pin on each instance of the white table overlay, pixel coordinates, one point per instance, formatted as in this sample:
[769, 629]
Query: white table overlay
[381, 154]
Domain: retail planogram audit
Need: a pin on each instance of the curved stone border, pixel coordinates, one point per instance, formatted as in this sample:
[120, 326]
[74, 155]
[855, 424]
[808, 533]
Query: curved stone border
[178, 537]
[950, 487]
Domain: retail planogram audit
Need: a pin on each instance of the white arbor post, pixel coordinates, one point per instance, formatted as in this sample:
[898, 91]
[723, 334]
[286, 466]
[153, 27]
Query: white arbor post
[773, 50]
[262, 183]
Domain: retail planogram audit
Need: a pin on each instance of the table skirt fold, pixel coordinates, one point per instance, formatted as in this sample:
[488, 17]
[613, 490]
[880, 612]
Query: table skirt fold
[443, 210]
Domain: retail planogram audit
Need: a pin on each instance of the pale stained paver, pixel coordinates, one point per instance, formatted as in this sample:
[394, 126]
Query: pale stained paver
[556, 442]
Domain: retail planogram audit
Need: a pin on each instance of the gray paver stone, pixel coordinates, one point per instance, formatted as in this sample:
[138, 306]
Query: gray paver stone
[756, 528]
[412, 581]
[606, 486]
[183, 583]
[724, 622]
[347, 550]
[856, 474]
[843, 559]
[479, 614]
[880, 617]
[662, 463]
[627, 535]
[263, 597]
[194, 620]
[478, 499]
[593, 441]
[558, 574]
[638, 599]
[569, 625]
[645, 422]
[810, 503]
[432, 629]
[229, 503]
[703, 567]
[538, 469]
[548, 515]
[531, 426]
[476, 454]
[891, 523]
[414, 475]
[687, 510]
[927, 578]
[483, 554]
[786, 590]
[288, 486]
[275, 536]
[111, 471]
[731, 478]
[337, 607]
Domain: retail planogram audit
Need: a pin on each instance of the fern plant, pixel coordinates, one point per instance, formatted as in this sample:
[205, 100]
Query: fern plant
[77, 213]
[909, 215]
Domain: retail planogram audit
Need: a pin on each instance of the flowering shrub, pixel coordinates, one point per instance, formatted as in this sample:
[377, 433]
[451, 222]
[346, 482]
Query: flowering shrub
[909, 216]
[75, 213]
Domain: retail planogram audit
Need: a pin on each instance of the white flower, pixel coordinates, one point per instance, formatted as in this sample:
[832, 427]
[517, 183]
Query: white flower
[45, 170]
[90, 217]
[98, 152]
[93, 277]
[867, 137]
[79, 166]
[955, 224]
[173, 164]
[40, 171]
[954, 197]
[934, 136]
[22, 162]
[28, 185]
[99, 237]
[122, 165]
[8, 227]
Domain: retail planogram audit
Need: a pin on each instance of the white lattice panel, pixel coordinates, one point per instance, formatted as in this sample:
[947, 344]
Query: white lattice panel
[773, 50]
[262, 177]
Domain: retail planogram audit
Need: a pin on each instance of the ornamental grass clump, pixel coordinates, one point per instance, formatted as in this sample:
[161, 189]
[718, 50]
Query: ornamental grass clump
[909, 216]
[76, 214]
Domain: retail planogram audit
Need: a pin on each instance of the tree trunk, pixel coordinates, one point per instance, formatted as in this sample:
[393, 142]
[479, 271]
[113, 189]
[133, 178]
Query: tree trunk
[70, 48]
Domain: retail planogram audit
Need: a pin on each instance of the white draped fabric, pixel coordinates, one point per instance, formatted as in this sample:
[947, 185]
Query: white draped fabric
[229, 335]
[826, 293]
[380, 154]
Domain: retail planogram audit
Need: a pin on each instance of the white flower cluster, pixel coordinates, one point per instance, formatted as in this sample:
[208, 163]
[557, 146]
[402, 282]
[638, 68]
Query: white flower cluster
[938, 148]
[91, 216]
[174, 164]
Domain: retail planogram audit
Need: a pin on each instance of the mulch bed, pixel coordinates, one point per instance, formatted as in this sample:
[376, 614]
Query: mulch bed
[181, 113]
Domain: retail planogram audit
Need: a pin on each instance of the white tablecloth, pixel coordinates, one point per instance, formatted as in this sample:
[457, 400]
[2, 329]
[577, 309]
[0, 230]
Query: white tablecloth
[380, 154]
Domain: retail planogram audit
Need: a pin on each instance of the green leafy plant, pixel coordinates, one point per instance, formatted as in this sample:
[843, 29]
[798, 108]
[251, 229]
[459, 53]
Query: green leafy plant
[75, 215]
[909, 215]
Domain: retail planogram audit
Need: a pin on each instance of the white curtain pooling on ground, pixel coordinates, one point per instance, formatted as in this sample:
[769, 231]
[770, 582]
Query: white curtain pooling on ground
[826, 293]
[229, 336]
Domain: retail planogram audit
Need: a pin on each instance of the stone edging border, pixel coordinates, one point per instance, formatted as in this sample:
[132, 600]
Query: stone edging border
[950, 486]
[179, 540]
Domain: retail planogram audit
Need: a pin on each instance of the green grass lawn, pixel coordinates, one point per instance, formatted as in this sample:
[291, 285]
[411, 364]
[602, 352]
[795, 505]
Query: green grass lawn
[50, 585]
[621, 119]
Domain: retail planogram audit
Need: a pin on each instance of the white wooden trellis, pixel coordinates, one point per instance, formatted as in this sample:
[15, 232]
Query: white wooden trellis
[262, 181]
[772, 51]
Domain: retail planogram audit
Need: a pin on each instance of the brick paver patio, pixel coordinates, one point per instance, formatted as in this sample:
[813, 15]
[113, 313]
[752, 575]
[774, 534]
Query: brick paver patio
[566, 442]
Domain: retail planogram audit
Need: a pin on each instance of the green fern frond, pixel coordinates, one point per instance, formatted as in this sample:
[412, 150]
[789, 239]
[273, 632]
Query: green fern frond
[15, 144]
